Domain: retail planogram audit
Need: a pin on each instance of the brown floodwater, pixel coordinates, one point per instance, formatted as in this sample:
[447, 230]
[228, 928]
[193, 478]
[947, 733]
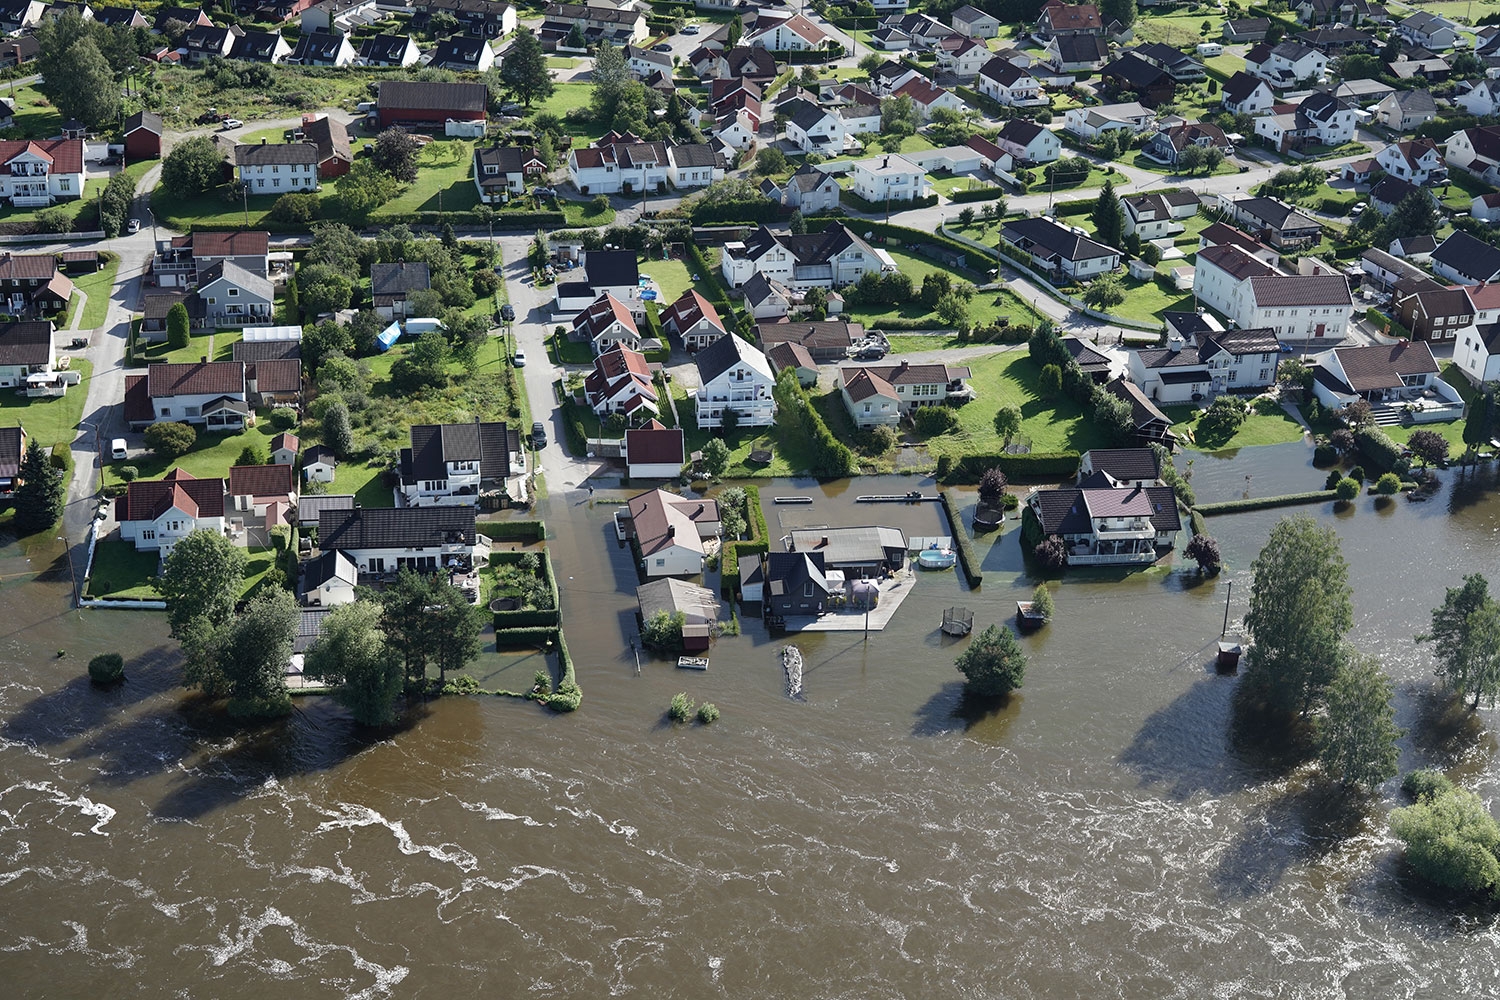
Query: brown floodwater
[1110, 832]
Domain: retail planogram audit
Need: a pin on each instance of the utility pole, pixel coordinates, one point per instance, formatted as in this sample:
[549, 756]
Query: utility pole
[1225, 630]
[245, 199]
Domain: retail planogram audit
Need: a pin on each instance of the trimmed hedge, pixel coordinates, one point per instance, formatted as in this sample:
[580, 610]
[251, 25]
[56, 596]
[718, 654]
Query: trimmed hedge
[1377, 447]
[757, 520]
[1036, 465]
[968, 559]
[512, 638]
[850, 198]
[977, 194]
[513, 531]
[1263, 503]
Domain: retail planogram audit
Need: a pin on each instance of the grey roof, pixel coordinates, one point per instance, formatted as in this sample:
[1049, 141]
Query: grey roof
[399, 278]
[318, 45]
[1125, 464]
[803, 113]
[148, 120]
[240, 277]
[433, 446]
[401, 95]
[395, 527]
[330, 565]
[310, 506]
[252, 351]
[808, 178]
[1054, 239]
[26, 343]
[459, 50]
[1468, 256]
[10, 451]
[788, 572]
[698, 604]
[266, 154]
[849, 546]
[384, 48]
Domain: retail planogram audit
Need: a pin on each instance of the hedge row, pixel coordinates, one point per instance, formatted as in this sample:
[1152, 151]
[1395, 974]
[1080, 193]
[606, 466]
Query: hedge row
[729, 564]
[968, 559]
[1263, 503]
[516, 638]
[1035, 465]
[854, 200]
[513, 531]
[537, 617]
[758, 529]
[1377, 447]
[977, 194]
[710, 277]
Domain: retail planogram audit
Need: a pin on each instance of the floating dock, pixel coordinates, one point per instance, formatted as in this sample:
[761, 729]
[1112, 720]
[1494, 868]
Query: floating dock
[793, 500]
[692, 663]
[915, 496]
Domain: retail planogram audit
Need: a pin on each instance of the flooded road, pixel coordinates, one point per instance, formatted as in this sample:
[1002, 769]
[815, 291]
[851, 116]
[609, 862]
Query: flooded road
[1104, 834]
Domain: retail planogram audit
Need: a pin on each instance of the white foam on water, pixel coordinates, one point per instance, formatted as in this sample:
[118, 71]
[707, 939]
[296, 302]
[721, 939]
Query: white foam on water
[100, 812]
[495, 813]
[352, 816]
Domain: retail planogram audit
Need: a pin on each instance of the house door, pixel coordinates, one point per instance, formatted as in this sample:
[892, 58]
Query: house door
[1318, 331]
[377, 565]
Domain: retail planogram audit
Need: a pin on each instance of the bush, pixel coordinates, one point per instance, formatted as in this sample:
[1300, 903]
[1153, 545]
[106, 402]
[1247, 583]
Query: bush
[1051, 553]
[1427, 783]
[1451, 840]
[1347, 489]
[128, 473]
[1389, 484]
[708, 713]
[599, 205]
[107, 668]
[1378, 448]
[681, 708]
[933, 420]
[170, 440]
[295, 208]
[1223, 417]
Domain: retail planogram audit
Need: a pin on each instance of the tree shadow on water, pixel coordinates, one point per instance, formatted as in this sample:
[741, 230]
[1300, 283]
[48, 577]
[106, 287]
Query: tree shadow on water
[80, 706]
[952, 710]
[1298, 828]
[1442, 729]
[1211, 740]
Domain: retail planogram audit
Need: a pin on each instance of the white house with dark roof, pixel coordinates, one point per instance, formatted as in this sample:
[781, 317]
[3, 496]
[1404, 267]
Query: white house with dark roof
[606, 323]
[654, 451]
[501, 171]
[831, 259]
[1414, 160]
[1255, 295]
[964, 57]
[1122, 526]
[1430, 31]
[881, 394]
[1059, 18]
[329, 580]
[381, 541]
[1059, 249]
[280, 168]
[792, 34]
[388, 50]
[611, 272]
[1120, 466]
[1476, 150]
[693, 320]
[733, 375]
[1216, 361]
[1247, 95]
[1028, 142]
[1009, 84]
[392, 284]
[1153, 216]
[1075, 53]
[1405, 110]
[34, 173]
[1286, 64]
[670, 531]
[322, 48]
[1466, 261]
[693, 165]
[1379, 374]
[1272, 221]
[814, 129]
[1168, 143]
[449, 464]
[25, 349]
[1476, 351]
[206, 393]
[810, 190]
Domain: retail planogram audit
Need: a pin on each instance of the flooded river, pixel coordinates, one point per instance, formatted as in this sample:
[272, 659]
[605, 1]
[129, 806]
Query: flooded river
[1102, 835]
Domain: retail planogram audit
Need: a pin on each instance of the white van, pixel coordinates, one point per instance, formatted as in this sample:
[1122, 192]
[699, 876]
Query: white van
[117, 449]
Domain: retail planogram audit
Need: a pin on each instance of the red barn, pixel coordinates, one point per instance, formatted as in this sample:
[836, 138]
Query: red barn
[142, 136]
[428, 106]
[332, 140]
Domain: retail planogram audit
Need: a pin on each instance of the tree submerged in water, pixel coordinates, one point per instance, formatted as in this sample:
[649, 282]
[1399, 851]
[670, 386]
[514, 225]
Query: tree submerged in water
[994, 665]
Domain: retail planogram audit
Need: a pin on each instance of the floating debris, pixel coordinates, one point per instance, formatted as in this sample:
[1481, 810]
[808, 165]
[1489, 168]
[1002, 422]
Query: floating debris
[791, 665]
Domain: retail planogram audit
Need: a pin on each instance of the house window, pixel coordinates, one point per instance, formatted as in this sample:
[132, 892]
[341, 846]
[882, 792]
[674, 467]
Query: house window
[233, 292]
[661, 562]
[166, 411]
[64, 184]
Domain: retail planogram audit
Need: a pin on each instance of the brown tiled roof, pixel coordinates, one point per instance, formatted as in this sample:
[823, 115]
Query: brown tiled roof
[199, 377]
[27, 266]
[789, 354]
[687, 310]
[276, 376]
[906, 373]
[662, 520]
[864, 384]
[822, 334]
[28, 343]
[65, 155]
[331, 138]
[262, 480]
[654, 446]
[1301, 290]
[137, 400]
[231, 244]
[1235, 261]
[149, 499]
[285, 440]
[1381, 367]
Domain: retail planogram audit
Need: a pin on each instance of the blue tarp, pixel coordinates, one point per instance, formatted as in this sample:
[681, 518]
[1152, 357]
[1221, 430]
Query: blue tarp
[389, 336]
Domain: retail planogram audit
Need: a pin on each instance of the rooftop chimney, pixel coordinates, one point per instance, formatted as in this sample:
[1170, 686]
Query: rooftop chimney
[262, 140]
[671, 531]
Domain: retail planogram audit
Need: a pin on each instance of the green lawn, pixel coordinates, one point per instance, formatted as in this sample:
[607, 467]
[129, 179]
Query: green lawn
[561, 62]
[673, 278]
[909, 144]
[48, 419]
[1277, 428]
[445, 181]
[1147, 300]
[1143, 162]
[789, 455]
[1453, 430]
[198, 348]
[120, 571]
[35, 117]
[1228, 63]
[1009, 379]
[212, 454]
[946, 185]
[1179, 30]
[98, 287]
[363, 480]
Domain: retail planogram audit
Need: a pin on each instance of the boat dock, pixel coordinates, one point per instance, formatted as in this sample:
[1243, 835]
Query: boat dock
[785, 500]
[915, 496]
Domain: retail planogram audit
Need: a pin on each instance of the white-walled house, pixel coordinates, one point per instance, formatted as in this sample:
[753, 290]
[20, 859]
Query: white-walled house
[831, 259]
[1286, 64]
[277, 169]
[1255, 295]
[881, 394]
[1153, 216]
[1248, 95]
[1028, 142]
[1007, 83]
[670, 531]
[734, 375]
[621, 383]
[812, 128]
[447, 464]
[26, 348]
[34, 173]
[1414, 160]
[1059, 249]
[1476, 351]
[206, 393]
[889, 176]
[384, 540]
[1092, 122]
[155, 515]
[1476, 150]
[1220, 361]
[329, 580]
[654, 451]
[607, 323]
[1379, 374]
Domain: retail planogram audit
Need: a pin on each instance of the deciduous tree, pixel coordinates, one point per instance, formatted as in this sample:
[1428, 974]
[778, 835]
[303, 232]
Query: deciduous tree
[1465, 634]
[1300, 608]
[1357, 737]
[715, 457]
[192, 167]
[1451, 840]
[1203, 550]
[201, 580]
[994, 665]
[322, 289]
[169, 439]
[1430, 447]
[254, 651]
[351, 653]
[395, 152]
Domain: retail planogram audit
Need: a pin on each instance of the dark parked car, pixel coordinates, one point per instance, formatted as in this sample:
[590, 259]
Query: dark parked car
[508, 313]
[869, 353]
[663, 47]
[539, 434]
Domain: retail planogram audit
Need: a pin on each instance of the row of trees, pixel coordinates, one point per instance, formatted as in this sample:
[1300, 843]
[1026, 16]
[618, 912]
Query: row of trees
[369, 651]
[1060, 374]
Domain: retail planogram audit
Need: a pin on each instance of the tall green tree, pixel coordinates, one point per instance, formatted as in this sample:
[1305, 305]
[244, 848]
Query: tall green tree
[201, 579]
[994, 664]
[1357, 737]
[254, 651]
[609, 78]
[352, 654]
[1109, 217]
[1300, 608]
[1465, 634]
[395, 152]
[524, 72]
[1479, 425]
[337, 432]
[78, 78]
[409, 629]
[179, 326]
[39, 498]
[192, 167]
[456, 626]
[1118, 10]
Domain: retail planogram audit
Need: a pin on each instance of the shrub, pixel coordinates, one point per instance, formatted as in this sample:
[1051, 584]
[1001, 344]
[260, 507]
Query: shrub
[107, 668]
[681, 708]
[1378, 448]
[1347, 489]
[599, 205]
[1387, 485]
[128, 473]
[1041, 601]
[882, 439]
[460, 684]
[1050, 382]
[1427, 783]
[708, 713]
[295, 208]
[283, 418]
[1051, 553]
[1451, 840]
[170, 440]
[1223, 417]
[1358, 474]
[934, 420]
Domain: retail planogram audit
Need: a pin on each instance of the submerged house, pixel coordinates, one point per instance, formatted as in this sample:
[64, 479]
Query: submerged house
[1113, 526]
[858, 552]
[670, 531]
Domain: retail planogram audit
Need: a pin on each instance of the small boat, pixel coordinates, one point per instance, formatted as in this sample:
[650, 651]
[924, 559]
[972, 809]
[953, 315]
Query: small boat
[794, 499]
[915, 496]
[936, 558]
[692, 662]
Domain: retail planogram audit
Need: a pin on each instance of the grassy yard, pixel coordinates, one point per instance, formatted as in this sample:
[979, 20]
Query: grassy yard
[1009, 379]
[364, 481]
[188, 92]
[212, 454]
[1143, 162]
[1182, 30]
[1258, 429]
[120, 571]
[1147, 300]
[909, 144]
[216, 346]
[1228, 64]
[789, 455]
[35, 117]
[1452, 430]
[98, 287]
[48, 419]
[673, 278]
[984, 309]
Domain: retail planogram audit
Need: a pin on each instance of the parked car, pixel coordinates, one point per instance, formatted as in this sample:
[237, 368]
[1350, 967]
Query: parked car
[508, 313]
[662, 47]
[539, 434]
[231, 123]
[118, 450]
[691, 29]
[134, 226]
[520, 359]
[871, 353]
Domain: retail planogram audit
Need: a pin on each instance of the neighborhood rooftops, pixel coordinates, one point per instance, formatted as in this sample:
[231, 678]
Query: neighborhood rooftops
[1382, 367]
[434, 446]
